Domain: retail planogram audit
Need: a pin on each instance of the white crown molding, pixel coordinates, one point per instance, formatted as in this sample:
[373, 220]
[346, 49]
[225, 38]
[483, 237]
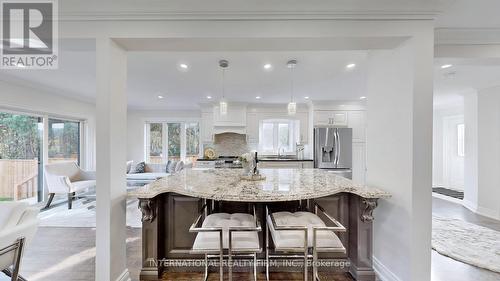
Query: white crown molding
[249, 15]
[467, 36]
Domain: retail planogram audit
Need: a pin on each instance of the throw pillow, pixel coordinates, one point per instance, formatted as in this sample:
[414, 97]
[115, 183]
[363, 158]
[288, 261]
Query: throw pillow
[138, 168]
[169, 162]
[179, 166]
[171, 167]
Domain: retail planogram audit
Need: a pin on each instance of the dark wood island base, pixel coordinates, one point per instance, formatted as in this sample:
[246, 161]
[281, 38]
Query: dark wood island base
[166, 219]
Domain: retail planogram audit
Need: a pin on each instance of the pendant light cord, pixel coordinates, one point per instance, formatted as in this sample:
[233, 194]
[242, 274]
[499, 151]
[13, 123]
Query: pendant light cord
[291, 83]
[223, 83]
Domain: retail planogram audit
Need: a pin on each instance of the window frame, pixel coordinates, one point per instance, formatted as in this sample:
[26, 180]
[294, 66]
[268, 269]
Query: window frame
[183, 140]
[293, 136]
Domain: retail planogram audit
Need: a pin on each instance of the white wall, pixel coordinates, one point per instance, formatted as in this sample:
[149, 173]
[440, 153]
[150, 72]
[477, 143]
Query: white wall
[447, 167]
[482, 128]
[39, 101]
[399, 157]
[135, 127]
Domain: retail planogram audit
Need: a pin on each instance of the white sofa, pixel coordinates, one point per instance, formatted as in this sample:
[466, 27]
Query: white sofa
[18, 225]
[152, 171]
[67, 178]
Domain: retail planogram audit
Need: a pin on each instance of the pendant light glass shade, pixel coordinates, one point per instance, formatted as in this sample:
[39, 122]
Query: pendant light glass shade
[292, 108]
[223, 103]
[223, 107]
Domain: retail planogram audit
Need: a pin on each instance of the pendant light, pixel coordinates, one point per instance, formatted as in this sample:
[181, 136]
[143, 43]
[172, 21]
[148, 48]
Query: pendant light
[223, 103]
[292, 105]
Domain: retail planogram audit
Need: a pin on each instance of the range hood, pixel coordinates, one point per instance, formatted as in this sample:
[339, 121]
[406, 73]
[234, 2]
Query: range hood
[242, 130]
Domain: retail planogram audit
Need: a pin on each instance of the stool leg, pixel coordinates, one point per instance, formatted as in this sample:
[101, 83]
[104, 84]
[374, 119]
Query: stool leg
[267, 251]
[255, 267]
[206, 268]
[315, 267]
[221, 257]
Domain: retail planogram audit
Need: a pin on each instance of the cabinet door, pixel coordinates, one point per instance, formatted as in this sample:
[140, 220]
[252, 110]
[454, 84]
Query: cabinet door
[207, 126]
[359, 163]
[357, 121]
[322, 117]
[182, 211]
[252, 128]
[235, 116]
[330, 118]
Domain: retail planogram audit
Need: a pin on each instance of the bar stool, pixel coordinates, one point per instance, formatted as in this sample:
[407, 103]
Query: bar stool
[301, 232]
[236, 234]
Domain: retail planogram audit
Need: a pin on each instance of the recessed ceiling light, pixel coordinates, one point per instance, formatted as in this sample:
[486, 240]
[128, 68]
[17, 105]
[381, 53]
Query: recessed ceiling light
[183, 66]
[350, 66]
[444, 66]
[160, 96]
[267, 66]
[209, 97]
[306, 98]
[258, 97]
[362, 98]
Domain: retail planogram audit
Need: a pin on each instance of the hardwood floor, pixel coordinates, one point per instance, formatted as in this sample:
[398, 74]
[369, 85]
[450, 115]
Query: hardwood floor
[278, 276]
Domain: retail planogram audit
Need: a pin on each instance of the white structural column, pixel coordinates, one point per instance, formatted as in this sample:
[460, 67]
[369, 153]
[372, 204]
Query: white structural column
[111, 157]
[482, 130]
[399, 155]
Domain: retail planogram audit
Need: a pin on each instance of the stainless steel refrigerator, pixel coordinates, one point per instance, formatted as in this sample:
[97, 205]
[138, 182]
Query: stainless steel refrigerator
[333, 150]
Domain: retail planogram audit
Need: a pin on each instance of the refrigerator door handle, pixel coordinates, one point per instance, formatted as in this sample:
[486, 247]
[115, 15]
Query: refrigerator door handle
[336, 145]
[338, 148]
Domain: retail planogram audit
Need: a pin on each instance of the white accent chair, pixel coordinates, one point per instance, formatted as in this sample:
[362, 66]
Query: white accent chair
[18, 225]
[67, 178]
[301, 232]
[237, 234]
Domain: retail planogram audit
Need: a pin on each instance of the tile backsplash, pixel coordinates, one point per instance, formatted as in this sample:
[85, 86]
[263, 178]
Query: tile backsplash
[230, 144]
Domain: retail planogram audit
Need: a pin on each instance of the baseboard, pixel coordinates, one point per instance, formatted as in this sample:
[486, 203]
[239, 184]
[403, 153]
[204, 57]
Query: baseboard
[125, 276]
[383, 273]
[447, 198]
[469, 205]
[485, 212]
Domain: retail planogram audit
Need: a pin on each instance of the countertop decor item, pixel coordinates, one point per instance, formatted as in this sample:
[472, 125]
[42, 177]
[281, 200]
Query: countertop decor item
[209, 153]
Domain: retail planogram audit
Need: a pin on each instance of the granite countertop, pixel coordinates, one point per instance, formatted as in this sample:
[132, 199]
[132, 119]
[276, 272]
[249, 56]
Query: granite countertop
[279, 185]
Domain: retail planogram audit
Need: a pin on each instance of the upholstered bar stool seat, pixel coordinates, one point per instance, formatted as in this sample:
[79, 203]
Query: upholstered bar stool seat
[290, 239]
[220, 233]
[300, 232]
[241, 241]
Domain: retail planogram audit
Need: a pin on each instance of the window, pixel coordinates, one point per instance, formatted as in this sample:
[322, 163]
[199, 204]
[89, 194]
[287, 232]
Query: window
[278, 136]
[64, 141]
[22, 143]
[461, 140]
[172, 141]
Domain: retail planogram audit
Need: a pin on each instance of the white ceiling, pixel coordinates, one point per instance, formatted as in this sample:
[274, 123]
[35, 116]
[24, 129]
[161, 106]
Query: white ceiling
[465, 75]
[318, 75]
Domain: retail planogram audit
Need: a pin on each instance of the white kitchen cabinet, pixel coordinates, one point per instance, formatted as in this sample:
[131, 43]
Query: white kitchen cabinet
[252, 127]
[359, 163]
[357, 121]
[285, 164]
[236, 116]
[330, 118]
[207, 126]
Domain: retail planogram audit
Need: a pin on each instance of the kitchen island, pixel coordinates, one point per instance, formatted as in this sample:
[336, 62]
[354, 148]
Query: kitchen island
[169, 206]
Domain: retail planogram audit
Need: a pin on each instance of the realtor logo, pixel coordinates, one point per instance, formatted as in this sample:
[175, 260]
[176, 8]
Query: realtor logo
[29, 30]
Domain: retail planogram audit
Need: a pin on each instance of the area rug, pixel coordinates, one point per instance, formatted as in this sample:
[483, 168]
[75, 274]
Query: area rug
[466, 242]
[83, 214]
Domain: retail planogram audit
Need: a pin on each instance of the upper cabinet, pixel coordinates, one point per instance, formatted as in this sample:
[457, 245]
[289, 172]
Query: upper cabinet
[357, 121]
[207, 126]
[236, 116]
[252, 127]
[330, 118]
